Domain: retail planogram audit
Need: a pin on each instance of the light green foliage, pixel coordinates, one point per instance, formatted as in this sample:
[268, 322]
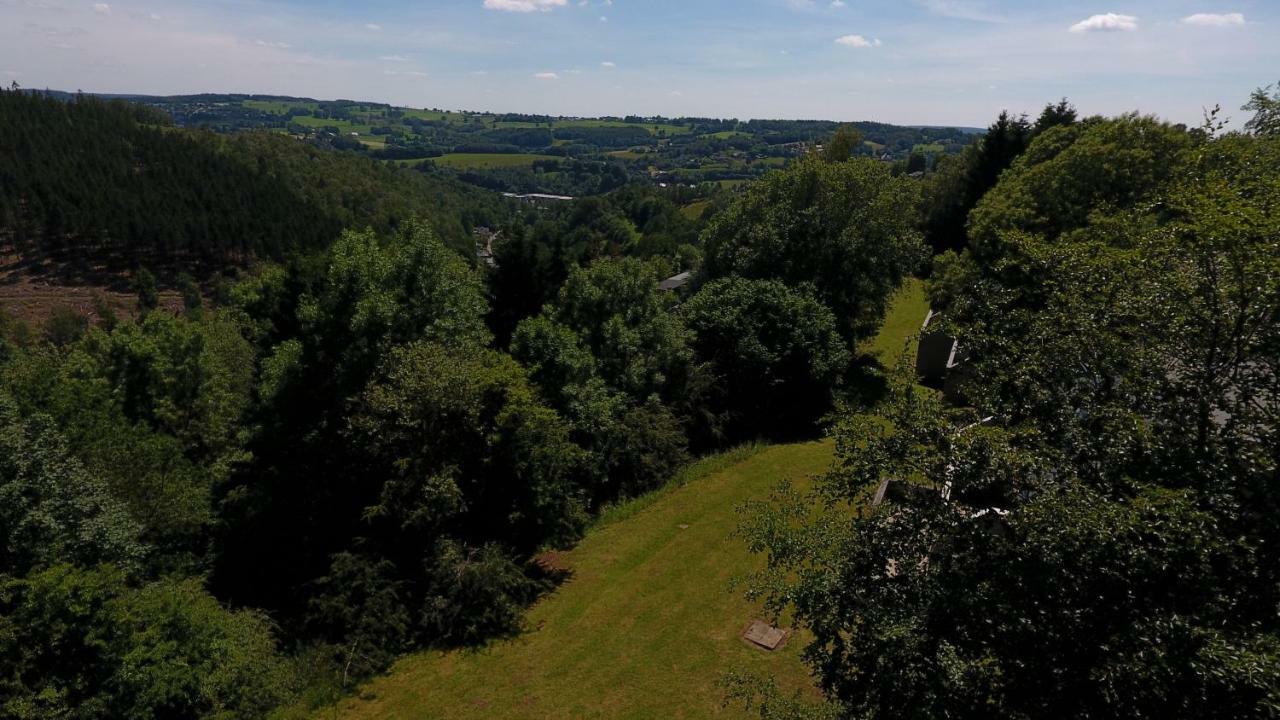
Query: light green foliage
[847, 228]
[83, 644]
[467, 438]
[1072, 171]
[51, 509]
[375, 297]
[1265, 105]
[611, 356]
[155, 409]
[617, 313]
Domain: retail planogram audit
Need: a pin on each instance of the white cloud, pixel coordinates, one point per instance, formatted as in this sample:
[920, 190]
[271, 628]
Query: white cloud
[609, 65]
[546, 76]
[1215, 19]
[102, 8]
[270, 44]
[857, 41]
[393, 58]
[372, 26]
[1110, 22]
[962, 10]
[837, 3]
[524, 6]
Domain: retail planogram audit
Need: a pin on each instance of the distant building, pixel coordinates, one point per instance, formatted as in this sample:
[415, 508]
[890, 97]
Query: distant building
[539, 199]
[675, 282]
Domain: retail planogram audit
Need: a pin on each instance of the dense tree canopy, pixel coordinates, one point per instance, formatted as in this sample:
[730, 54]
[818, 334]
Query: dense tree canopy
[1120, 317]
[846, 228]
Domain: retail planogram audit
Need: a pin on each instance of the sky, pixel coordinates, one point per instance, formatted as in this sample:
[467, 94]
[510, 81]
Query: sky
[921, 62]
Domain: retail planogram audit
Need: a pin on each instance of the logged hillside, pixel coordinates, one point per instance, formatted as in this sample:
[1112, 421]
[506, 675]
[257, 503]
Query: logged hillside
[111, 185]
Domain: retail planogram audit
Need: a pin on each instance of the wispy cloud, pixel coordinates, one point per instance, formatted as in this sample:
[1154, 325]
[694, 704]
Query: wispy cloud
[524, 6]
[962, 10]
[608, 65]
[546, 76]
[1108, 22]
[857, 41]
[102, 8]
[1215, 19]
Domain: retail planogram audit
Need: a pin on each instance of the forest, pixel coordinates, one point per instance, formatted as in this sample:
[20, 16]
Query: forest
[359, 437]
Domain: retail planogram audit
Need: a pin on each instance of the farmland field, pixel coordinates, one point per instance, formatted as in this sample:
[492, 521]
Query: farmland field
[474, 161]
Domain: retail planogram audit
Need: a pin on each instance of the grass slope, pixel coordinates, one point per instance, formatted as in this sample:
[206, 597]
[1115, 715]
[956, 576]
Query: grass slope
[645, 627]
[901, 325]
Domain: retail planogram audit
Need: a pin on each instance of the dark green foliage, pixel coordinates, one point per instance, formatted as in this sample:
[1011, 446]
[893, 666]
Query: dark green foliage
[84, 644]
[475, 594]
[360, 607]
[65, 326]
[1103, 545]
[84, 180]
[612, 357]
[776, 352]
[144, 286]
[51, 509]
[842, 145]
[1265, 106]
[192, 302]
[846, 228]
[960, 182]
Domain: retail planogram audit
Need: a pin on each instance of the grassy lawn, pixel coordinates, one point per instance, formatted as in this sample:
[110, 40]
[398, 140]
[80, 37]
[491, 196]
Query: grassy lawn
[695, 210]
[645, 627]
[901, 324]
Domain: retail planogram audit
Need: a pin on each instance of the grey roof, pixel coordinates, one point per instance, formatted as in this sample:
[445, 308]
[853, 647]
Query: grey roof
[675, 282]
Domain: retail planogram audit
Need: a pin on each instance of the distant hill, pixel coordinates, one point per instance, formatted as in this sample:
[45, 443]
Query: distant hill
[107, 185]
[566, 155]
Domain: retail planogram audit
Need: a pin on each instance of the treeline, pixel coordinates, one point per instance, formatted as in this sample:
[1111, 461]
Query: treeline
[1095, 536]
[114, 182]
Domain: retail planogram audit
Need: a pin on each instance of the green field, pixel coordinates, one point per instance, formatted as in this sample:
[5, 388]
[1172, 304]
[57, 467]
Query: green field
[478, 161]
[933, 149]
[557, 124]
[695, 210]
[901, 324]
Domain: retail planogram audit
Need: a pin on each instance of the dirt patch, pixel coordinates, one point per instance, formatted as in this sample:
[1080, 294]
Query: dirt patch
[32, 296]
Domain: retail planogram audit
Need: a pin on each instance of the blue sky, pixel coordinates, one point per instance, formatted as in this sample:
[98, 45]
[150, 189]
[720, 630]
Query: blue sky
[955, 62]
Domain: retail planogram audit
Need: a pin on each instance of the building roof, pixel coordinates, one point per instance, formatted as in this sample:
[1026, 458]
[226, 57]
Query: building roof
[675, 282]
